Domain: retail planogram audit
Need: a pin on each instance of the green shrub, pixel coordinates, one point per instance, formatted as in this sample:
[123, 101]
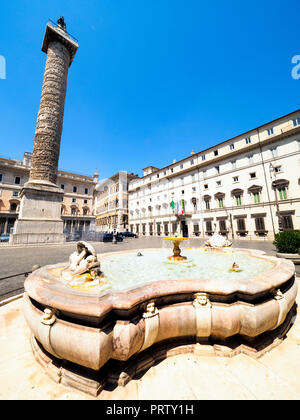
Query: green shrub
[288, 242]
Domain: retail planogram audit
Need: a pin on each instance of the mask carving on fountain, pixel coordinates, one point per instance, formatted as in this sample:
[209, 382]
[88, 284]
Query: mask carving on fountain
[217, 240]
[83, 264]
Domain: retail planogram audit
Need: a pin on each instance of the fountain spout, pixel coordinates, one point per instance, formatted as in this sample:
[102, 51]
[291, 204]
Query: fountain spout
[176, 249]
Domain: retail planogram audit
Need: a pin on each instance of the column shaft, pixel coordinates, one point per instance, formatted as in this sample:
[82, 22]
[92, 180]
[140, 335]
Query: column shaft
[50, 117]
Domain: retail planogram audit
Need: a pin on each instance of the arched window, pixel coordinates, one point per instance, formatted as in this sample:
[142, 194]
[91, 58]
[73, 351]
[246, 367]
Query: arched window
[255, 191]
[237, 194]
[281, 185]
[207, 199]
[220, 199]
[13, 207]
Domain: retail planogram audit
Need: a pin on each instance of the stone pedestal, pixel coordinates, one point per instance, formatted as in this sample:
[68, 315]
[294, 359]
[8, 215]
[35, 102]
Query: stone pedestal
[40, 211]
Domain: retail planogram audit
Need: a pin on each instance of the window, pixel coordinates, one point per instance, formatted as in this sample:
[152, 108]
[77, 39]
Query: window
[62, 186]
[172, 170]
[259, 224]
[216, 152]
[203, 157]
[278, 169]
[248, 140]
[181, 166]
[287, 222]
[207, 204]
[231, 147]
[74, 189]
[194, 189]
[73, 200]
[256, 197]
[182, 192]
[157, 175]
[86, 191]
[217, 168]
[250, 159]
[218, 183]
[205, 186]
[238, 200]
[17, 180]
[13, 207]
[296, 122]
[220, 203]
[241, 225]
[270, 131]
[274, 151]
[196, 229]
[0, 177]
[15, 194]
[73, 211]
[222, 225]
[282, 193]
[235, 179]
[165, 172]
[182, 181]
[233, 164]
[85, 212]
[252, 175]
[85, 201]
[208, 226]
[192, 161]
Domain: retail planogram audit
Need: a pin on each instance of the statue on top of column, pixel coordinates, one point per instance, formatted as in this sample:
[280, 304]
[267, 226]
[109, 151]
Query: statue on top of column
[61, 23]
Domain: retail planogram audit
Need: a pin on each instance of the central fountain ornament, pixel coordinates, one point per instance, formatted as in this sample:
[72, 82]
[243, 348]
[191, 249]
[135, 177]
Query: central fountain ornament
[176, 250]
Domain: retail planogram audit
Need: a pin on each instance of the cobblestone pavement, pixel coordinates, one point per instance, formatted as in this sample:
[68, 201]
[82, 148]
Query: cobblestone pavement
[16, 259]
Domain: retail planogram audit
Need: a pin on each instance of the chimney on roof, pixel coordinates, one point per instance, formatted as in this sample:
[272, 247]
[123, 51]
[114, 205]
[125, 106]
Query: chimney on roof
[174, 161]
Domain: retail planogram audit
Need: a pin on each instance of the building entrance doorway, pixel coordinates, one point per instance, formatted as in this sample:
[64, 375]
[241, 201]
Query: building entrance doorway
[184, 229]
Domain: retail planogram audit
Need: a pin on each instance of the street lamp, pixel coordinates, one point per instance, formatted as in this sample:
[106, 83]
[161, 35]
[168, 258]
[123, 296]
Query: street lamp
[115, 231]
[272, 171]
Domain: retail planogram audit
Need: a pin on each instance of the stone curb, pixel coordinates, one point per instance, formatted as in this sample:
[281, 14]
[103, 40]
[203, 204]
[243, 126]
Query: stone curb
[11, 299]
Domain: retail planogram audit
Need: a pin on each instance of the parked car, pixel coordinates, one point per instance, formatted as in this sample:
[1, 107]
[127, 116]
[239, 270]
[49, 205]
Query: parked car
[108, 237]
[128, 235]
[73, 237]
[4, 237]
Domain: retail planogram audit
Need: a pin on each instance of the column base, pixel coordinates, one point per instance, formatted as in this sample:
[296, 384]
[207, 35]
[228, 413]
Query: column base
[39, 218]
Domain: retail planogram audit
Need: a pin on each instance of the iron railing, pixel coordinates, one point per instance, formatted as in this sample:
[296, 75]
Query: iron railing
[12, 288]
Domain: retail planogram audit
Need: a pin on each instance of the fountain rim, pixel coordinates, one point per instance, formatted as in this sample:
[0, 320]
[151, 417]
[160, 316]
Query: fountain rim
[58, 296]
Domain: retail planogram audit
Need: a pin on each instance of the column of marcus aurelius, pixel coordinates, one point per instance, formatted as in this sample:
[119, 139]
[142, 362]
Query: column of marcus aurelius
[40, 209]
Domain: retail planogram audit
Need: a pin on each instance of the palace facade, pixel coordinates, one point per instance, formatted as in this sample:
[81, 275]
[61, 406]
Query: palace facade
[76, 207]
[245, 187]
[111, 203]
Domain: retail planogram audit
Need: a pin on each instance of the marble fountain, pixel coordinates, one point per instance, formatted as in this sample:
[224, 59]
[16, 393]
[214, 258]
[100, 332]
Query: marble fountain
[96, 325]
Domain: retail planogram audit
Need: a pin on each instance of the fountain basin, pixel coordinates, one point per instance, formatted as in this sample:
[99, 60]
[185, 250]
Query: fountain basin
[91, 328]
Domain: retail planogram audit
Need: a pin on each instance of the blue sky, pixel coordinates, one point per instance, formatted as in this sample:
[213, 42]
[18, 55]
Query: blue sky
[152, 79]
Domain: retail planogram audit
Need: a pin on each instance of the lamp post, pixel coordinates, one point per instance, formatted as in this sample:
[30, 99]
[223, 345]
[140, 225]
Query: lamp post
[115, 231]
[272, 171]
